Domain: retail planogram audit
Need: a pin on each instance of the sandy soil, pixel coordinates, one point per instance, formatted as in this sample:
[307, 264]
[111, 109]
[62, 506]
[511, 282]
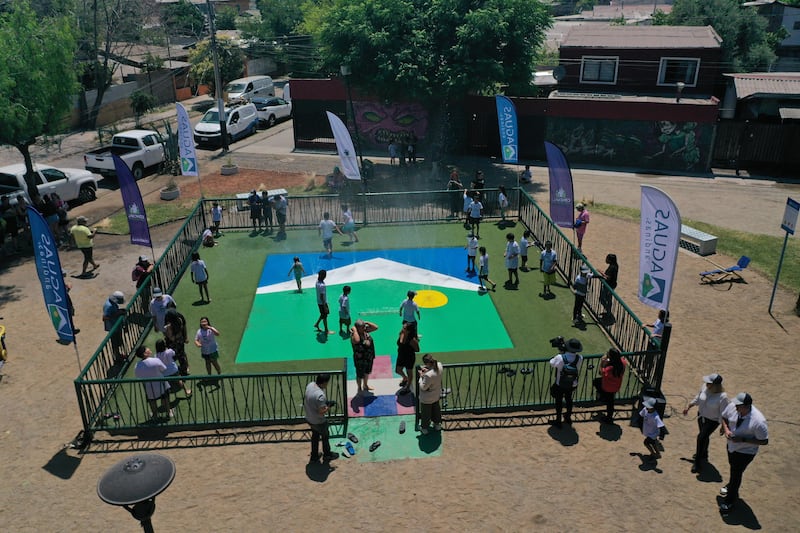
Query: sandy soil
[524, 478]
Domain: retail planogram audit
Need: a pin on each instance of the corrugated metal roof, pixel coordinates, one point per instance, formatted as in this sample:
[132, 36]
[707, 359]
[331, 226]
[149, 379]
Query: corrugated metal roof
[642, 37]
[748, 84]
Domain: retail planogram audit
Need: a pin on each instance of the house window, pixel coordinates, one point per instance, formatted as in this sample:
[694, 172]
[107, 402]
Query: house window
[596, 69]
[674, 70]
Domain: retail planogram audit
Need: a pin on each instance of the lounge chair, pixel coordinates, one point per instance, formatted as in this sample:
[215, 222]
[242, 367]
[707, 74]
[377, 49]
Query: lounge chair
[725, 274]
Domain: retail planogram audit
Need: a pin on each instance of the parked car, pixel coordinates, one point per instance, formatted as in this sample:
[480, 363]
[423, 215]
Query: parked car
[140, 149]
[72, 185]
[247, 88]
[271, 110]
[241, 121]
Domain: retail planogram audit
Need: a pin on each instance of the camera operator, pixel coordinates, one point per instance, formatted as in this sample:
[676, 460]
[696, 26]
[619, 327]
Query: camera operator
[567, 364]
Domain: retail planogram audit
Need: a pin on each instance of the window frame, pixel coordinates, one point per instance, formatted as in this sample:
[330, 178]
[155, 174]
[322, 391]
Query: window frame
[599, 59]
[662, 69]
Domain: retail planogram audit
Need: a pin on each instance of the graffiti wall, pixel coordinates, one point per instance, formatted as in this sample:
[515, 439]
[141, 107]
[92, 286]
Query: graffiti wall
[380, 124]
[682, 146]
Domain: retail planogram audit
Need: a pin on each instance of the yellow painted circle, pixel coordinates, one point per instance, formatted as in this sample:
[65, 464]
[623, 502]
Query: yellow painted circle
[428, 299]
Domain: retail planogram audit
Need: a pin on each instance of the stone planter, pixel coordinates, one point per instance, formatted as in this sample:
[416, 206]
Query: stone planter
[170, 194]
[228, 170]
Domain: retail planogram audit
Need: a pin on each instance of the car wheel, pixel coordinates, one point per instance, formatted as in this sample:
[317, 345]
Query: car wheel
[271, 121]
[87, 194]
[138, 171]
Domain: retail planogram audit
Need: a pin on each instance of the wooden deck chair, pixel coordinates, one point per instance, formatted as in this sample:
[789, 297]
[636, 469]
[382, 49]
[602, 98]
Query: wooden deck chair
[725, 274]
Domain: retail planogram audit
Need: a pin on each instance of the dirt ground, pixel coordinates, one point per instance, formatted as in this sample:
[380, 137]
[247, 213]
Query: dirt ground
[525, 478]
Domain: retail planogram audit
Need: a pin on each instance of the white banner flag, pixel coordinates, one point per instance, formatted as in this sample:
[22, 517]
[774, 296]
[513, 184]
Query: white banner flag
[186, 143]
[659, 240]
[344, 145]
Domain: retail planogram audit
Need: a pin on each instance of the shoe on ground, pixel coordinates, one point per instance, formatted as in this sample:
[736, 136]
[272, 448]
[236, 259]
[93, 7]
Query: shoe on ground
[725, 507]
[437, 427]
[330, 456]
[723, 491]
[424, 431]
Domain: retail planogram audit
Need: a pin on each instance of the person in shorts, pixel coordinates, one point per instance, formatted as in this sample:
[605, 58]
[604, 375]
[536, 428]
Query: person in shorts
[298, 271]
[84, 240]
[206, 340]
[325, 230]
[344, 310]
[547, 264]
[322, 302]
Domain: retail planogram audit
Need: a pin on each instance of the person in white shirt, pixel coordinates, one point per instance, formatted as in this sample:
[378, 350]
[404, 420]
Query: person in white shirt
[474, 214]
[158, 308]
[430, 393]
[512, 260]
[711, 402]
[409, 310]
[326, 229]
[472, 252]
[199, 274]
[567, 365]
[152, 367]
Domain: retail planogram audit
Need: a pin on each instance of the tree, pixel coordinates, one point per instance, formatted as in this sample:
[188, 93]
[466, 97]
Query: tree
[231, 62]
[183, 18]
[226, 18]
[747, 46]
[37, 78]
[432, 52]
[141, 103]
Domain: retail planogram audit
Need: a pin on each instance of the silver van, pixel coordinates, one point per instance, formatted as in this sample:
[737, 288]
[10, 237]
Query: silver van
[247, 88]
[240, 122]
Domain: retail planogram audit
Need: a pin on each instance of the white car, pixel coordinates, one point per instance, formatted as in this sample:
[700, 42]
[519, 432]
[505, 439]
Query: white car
[271, 110]
[73, 185]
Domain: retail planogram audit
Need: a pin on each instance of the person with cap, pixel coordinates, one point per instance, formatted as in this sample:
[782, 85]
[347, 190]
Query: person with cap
[580, 287]
[141, 271]
[409, 310]
[112, 313]
[84, 240]
[316, 405]
[711, 402]
[363, 352]
[158, 308]
[652, 427]
[567, 365]
[581, 222]
[746, 430]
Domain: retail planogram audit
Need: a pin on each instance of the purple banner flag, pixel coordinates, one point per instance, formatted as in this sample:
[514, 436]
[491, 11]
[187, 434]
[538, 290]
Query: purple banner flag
[134, 206]
[48, 266]
[562, 201]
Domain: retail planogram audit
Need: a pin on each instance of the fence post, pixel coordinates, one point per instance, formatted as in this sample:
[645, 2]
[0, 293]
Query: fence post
[662, 357]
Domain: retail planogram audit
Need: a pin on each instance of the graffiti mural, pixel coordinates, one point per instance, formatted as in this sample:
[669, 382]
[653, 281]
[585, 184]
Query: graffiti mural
[646, 144]
[379, 124]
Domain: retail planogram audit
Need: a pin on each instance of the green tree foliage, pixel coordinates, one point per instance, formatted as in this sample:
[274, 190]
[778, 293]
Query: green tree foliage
[747, 46]
[183, 18]
[278, 18]
[226, 18]
[37, 78]
[231, 62]
[141, 103]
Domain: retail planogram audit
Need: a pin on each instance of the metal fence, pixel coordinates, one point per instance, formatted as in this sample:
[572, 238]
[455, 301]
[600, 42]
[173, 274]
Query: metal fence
[250, 399]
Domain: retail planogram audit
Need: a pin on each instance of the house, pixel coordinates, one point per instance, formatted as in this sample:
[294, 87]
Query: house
[762, 96]
[641, 60]
[779, 14]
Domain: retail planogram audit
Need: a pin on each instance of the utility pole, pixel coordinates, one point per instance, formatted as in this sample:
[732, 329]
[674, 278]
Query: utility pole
[223, 130]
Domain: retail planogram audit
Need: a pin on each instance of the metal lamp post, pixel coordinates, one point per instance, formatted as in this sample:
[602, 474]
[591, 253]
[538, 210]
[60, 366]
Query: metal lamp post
[346, 72]
[134, 483]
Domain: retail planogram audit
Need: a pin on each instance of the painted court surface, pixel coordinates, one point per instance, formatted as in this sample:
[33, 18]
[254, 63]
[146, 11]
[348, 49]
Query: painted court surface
[448, 299]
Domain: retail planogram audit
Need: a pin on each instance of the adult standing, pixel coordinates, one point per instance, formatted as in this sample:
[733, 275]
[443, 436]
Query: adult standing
[711, 402]
[610, 274]
[407, 348]
[512, 260]
[363, 352]
[199, 274]
[746, 429]
[316, 406]
[141, 271]
[112, 314]
[266, 210]
[502, 203]
[281, 206]
[581, 222]
[254, 202]
[580, 286]
[325, 230]
[612, 368]
[158, 307]
[430, 394]
[322, 302]
[84, 240]
[567, 365]
[152, 367]
[409, 310]
[393, 152]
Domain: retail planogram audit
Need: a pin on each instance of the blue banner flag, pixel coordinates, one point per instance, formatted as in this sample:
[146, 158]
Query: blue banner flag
[507, 122]
[134, 206]
[48, 266]
[562, 201]
[186, 143]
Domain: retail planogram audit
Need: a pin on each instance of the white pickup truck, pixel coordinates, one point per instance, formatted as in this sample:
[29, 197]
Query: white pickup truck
[140, 149]
[72, 185]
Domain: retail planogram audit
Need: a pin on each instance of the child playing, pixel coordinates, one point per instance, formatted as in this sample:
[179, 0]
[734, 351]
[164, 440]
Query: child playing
[206, 340]
[344, 310]
[472, 251]
[484, 270]
[216, 218]
[299, 272]
[199, 274]
[652, 427]
[547, 264]
[524, 243]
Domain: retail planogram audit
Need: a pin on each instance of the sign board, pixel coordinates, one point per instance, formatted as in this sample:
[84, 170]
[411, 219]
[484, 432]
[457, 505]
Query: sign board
[789, 223]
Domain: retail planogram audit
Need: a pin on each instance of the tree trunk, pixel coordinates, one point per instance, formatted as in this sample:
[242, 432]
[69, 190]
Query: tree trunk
[30, 180]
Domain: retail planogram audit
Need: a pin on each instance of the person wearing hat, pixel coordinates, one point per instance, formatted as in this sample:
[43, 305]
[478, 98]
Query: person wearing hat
[746, 429]
[580, 286]
[142, 269]
[84, 240]
[567, 365]
[652, 427]
[158, 307]
[581, 222]
[112, 313]
[711, 402]
[409, 310]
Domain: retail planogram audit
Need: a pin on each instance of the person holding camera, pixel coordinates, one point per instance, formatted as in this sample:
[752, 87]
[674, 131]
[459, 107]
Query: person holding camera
[316, 405]
[567, 364]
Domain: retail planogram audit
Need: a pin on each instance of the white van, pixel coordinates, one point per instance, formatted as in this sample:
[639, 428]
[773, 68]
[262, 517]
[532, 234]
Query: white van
[240, 122]
[247, 88]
